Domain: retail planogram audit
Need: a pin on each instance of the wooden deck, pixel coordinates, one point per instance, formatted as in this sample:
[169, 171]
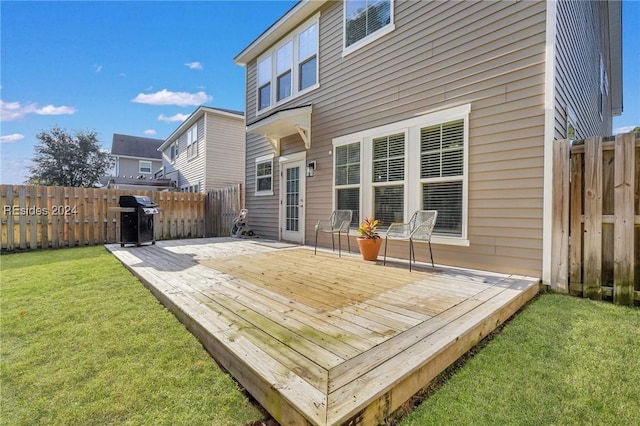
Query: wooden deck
[319, 339]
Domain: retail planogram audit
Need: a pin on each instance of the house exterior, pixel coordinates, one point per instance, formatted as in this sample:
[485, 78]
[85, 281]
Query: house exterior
[447, 105]
[135, 156]
[207, 151]
[135, 161]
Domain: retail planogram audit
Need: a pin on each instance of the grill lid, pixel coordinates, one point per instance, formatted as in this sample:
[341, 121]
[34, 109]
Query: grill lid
[136, 201]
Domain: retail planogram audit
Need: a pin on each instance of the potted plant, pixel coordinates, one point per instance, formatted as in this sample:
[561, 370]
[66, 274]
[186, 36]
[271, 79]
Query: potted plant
[369, 241]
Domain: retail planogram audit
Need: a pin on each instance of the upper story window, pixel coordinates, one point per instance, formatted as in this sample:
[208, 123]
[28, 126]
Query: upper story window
[290, 69]
[145, 166]
[192, 142]
[365, 21]
[173, 151]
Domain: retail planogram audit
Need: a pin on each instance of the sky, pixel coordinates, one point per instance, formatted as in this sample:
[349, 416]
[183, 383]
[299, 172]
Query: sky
[141, 67]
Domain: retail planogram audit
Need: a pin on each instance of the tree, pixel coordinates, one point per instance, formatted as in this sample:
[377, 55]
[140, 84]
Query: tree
[66, 159]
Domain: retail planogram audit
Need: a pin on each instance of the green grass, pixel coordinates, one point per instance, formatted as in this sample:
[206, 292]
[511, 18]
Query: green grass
[561, 361]
[84, 343]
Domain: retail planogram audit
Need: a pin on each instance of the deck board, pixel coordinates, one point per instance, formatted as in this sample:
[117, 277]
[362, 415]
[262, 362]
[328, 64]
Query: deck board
[321, 339]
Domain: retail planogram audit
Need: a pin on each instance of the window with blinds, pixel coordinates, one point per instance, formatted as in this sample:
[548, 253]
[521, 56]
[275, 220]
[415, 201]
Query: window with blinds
[388, 171]
[442, 173]
[347, 179]
[388, 158]
[364, 18]
[419, 163]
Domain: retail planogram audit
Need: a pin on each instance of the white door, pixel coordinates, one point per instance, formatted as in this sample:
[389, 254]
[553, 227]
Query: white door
[292, 194]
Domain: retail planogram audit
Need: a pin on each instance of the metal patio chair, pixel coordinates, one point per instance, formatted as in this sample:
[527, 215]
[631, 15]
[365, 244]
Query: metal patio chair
[338, 223]
[419, 228]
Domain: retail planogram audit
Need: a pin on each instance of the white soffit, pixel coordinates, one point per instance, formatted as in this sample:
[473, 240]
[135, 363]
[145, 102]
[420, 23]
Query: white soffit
[285, 123]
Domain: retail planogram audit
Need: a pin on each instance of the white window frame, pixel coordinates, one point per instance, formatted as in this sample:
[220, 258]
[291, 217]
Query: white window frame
[192, 142]
[357, 186]
[173, 152]
[373, 184]
[347, 50]
[294, 67]
[412, 182]
[261, 160]
[145, 162]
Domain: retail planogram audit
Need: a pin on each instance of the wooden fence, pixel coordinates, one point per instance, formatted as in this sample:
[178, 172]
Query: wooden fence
[221, 207]
[53, 217]
[596, 218]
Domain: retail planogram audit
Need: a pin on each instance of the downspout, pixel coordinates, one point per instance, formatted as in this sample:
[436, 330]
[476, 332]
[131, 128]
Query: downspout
[549, 135]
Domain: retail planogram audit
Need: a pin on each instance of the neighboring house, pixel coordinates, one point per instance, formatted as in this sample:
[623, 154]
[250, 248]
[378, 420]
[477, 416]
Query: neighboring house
[207, 151]
[135, 156]
[136, 160]
[446, 105]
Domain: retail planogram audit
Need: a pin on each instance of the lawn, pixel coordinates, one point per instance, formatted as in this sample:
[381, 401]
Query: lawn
[561, 361]
[83, 342]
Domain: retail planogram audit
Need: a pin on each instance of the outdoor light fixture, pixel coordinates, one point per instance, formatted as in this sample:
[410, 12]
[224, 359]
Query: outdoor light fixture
[311, 168]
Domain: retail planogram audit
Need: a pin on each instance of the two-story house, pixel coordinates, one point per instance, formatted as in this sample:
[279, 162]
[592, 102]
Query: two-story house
[135, 161]
[135, 156]
[206, 151]
[390, 106]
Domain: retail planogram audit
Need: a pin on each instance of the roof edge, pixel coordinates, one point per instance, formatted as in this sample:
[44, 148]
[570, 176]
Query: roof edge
[283, 26]
[195, 116]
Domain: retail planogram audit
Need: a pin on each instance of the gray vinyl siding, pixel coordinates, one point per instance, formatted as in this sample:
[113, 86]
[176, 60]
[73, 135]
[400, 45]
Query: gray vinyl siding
[442, 54]
[225, 151]
[130, 167]
[581, 37]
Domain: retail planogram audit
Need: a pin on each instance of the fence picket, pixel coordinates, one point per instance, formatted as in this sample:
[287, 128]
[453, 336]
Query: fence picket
[604, 219]
[36, 216]
[624, 220]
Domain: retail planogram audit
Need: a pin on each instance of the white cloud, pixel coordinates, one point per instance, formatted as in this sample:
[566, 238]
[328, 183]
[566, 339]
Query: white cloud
[12, 138]
[56, 110]
[10, 111]
[165, 97]
[98, 68]
[194, 65]
[625, 129]
[150, 132]
[177, 117]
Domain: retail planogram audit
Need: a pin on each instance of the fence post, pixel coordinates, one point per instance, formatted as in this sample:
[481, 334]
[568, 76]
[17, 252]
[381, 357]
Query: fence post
[623, 247]
[560, 217]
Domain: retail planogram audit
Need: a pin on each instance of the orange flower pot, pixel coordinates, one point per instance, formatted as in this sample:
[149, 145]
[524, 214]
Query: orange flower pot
[369, 247]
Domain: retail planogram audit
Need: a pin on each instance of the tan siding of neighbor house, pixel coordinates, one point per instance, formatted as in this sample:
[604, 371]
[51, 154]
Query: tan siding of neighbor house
[191, 169]
[440, 55]
[581, 37]
[225, 151]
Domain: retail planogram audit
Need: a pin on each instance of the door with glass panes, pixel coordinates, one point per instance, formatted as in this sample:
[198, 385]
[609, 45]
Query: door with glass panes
[292, 195]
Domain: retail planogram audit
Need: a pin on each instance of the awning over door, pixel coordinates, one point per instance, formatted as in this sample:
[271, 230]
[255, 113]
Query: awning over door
[285, 123]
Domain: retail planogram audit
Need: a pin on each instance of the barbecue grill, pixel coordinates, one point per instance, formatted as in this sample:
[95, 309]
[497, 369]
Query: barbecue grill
[137, 214]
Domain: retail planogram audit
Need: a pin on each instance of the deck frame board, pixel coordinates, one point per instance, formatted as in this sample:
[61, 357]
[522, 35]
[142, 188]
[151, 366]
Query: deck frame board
[359, 341]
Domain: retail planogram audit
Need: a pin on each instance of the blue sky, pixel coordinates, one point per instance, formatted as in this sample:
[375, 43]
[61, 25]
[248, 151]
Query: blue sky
[139, 68]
